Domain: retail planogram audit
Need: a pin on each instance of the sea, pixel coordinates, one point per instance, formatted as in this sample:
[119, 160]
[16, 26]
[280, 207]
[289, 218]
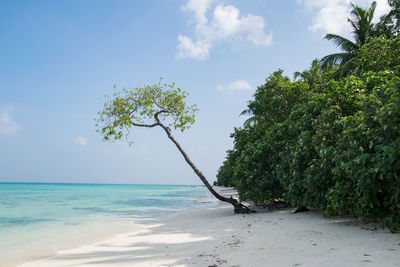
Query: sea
[39, 219]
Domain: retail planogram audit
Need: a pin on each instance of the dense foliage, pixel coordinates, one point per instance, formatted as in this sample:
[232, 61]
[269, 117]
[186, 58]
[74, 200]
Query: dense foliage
[331, 145]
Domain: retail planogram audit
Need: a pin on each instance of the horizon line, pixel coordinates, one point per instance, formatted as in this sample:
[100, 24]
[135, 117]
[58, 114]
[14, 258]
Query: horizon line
[83, 183]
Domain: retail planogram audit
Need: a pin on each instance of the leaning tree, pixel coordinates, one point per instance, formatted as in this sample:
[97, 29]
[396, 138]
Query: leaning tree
[158, 105]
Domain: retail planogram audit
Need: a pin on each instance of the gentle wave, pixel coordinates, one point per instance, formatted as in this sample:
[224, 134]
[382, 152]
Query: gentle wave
[35, 218]
[17, 221]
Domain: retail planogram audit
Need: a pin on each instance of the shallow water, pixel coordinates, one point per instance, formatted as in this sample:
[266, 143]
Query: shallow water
[39, 219]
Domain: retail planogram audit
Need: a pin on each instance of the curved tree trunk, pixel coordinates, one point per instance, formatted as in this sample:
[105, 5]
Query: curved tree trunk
[238, 207]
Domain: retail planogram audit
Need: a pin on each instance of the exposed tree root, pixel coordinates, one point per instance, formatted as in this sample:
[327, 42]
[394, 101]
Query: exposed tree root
[239, 207]
[301, 209]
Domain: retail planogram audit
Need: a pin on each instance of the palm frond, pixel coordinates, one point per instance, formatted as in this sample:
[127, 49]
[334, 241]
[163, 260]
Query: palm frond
[346, 67]
[371, 11]
[298, 74]
[362, 24]
[344, 43]
[330, 60]
[251, 121]
[353, 24]
[246, 112]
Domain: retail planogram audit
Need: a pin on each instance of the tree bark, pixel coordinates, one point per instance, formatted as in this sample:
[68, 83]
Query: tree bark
[238, 207]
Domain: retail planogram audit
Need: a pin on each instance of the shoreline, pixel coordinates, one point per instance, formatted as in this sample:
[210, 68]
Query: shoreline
[50, 245]
[53, 232]
[215, 236]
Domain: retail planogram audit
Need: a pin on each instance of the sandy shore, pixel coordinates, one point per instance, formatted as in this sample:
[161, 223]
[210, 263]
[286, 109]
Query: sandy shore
[217, 237]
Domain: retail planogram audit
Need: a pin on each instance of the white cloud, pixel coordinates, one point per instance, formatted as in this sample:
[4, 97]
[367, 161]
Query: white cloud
[199, 7]
[7, 124]
[330, 16]
[82, 141]
[382, 8]
[239, 85]
[188, 49]
[224, 23]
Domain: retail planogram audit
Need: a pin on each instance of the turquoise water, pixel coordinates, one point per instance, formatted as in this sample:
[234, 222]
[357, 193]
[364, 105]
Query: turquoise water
[38, 215]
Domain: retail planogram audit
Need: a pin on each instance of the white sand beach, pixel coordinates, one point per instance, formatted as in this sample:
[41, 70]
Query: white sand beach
[217, 237]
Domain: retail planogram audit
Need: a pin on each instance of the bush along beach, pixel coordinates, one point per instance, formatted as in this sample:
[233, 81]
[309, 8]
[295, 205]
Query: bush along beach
[328, 139]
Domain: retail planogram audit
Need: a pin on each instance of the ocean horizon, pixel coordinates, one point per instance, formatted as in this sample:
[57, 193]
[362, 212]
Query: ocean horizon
[67, 183]
[37, 219]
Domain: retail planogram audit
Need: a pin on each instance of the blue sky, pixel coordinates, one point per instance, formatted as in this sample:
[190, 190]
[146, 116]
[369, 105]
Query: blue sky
[58, 58]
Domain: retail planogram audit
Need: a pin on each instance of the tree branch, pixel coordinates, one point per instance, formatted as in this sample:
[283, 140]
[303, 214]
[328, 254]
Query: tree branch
[145, 125]
[158, 113]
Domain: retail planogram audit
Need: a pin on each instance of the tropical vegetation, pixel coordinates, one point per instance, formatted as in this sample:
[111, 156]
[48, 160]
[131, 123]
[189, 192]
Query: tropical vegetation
[329, 139]
[362, 28]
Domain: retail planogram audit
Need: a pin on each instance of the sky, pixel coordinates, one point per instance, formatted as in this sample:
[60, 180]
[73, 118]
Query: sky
[59, 58]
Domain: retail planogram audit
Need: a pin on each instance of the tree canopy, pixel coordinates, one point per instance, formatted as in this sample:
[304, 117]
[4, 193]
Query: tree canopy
[147, 106]
[328, 144]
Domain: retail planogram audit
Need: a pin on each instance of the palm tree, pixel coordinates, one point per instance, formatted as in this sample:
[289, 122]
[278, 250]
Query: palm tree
[362, 26]
[253, 120]
[313, 76]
